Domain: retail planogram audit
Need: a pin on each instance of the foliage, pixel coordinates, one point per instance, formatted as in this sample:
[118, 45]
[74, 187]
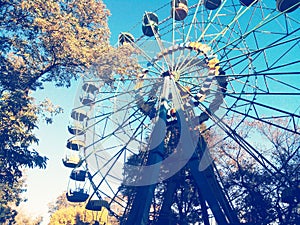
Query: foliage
[184, 206]
[50, 41]
[256, 189]
[63, 212]
[10, 198]
[60, 202]
[18, 118]
[46, 41]
[262, 194]
[24, 219]
[40, 41]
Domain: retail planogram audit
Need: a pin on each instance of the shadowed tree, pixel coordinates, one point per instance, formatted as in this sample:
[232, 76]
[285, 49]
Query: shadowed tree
[40, 41]
[10, 198]
[261, 194]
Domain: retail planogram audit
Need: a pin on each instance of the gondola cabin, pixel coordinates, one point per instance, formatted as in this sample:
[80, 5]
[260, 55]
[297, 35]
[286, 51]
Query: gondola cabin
[212, 4]
[96, 205]
[77, 196]
[125, 37]
[75, 144]
[78, 175]
[248, 2]
[79, 114]
[76, 129]
[289, 5]
[72, 161]
[150, 24]
[181, 9]
[90, 87]
[87, 99]
[101, 211]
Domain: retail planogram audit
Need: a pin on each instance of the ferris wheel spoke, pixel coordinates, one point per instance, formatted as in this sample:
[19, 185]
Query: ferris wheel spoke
[147, 57]
[112, 133]
[193, 20]
[260, 50]
[239, 13]
[228, 69]
[283, 84]
[173, 33]
[253, 152]
[267, 85]
[265, 21]
[182, 58]
[116, 157]
[161, 46]
[257, 52]
[258, 109]
[125, 92]
[211, 21]
[189, 63]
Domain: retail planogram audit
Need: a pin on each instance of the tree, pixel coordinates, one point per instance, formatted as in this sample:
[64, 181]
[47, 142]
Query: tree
[9, 200]
[64, 212]
[47, 41]
[260, 193]
[53, 41]
[40, 41]
[24, 219]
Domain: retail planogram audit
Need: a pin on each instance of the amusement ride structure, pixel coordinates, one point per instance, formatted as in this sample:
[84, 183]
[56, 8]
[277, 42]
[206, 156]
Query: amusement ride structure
[142, 145]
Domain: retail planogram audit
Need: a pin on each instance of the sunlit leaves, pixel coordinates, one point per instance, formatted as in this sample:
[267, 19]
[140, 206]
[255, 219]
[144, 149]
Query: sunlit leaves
[64, 212]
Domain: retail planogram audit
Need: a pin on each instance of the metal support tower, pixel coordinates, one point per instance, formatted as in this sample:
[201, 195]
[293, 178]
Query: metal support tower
[211, 194]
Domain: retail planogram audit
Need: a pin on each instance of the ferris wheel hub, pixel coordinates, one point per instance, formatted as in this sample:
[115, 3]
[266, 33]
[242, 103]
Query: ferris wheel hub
[176, 75]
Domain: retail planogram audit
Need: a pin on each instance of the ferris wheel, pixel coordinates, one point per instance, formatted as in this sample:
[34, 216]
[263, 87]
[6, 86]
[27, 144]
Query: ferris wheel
[143, 143]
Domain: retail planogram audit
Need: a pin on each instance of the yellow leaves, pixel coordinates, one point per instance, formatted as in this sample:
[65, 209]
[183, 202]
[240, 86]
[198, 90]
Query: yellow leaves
[77, 213]
[12, 118]
[16, 60]
[77, 35]
[119, 60]
[25, 5]
[67, 35]
[40, 22]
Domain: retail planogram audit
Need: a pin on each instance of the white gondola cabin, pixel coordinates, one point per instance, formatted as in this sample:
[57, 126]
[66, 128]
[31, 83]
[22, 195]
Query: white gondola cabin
[87, 99]
[287, 6]
[78, 175]
[90, 87]
[79, 114]
[101, 208]
[150, 24]
[72, 161]
[76, 128]
[96, 204]
[212, 4]
[77, 196]
[75, 144]
[181, 9]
